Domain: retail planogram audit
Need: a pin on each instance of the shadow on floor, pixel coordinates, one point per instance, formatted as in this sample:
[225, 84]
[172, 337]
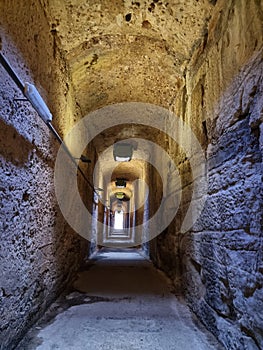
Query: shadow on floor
[119, 301]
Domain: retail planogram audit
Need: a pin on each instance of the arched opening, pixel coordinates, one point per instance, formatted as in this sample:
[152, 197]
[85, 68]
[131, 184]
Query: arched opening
[118, 220]
[201, 62]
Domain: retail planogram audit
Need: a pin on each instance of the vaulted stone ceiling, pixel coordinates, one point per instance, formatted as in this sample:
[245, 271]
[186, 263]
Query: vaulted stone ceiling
[122, 51]
[125, 50]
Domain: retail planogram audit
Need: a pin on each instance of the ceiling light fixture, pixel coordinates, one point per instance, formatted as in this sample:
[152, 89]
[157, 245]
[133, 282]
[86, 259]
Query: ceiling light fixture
[120, 183]
[119, 195]
[122, 152]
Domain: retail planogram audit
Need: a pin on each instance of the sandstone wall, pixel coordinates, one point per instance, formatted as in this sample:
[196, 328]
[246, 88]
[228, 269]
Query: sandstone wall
[219, 262]
[39, 252]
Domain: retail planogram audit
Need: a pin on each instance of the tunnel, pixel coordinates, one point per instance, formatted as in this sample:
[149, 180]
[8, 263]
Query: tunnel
[133, 219]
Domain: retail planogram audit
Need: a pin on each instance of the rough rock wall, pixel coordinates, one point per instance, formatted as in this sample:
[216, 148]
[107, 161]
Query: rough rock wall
[39, 252]
[220, 260]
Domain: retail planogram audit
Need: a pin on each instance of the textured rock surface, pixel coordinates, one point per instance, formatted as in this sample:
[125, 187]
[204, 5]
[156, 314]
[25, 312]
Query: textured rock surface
[200, 59]
[128, 306]
[127, 50]
[220, 261]
[39, 252]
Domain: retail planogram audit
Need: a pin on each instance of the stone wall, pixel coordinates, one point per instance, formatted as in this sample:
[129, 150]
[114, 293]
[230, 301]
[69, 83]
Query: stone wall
[39, 252]
[219, 262]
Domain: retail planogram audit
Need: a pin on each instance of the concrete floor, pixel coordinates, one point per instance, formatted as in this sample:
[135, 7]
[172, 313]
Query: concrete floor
[120, 302]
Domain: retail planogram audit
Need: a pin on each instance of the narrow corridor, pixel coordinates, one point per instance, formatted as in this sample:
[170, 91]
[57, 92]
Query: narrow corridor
[127, 124]
[120, 302]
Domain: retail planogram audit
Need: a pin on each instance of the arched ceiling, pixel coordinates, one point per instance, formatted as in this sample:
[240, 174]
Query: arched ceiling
[124, 50]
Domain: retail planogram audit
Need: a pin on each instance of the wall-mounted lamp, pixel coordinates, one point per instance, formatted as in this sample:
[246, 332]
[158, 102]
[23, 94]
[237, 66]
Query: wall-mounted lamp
[33, 96]
[37, 102]
[84, 159]
[122, 152]
[99, 189]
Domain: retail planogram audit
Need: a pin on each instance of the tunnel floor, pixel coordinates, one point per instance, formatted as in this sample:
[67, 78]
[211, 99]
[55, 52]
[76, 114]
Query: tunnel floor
[119, 302]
